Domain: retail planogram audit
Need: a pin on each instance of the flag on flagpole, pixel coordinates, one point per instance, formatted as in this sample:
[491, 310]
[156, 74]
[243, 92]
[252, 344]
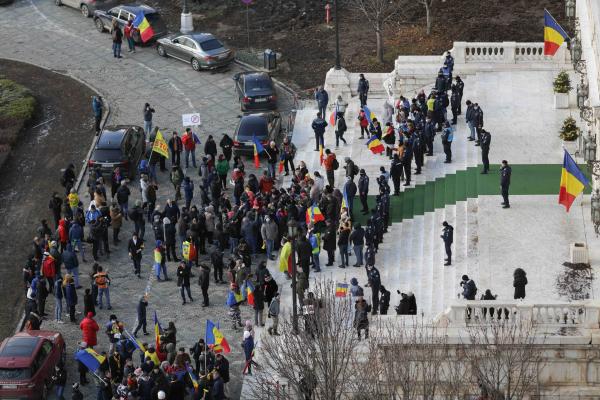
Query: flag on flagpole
[375, 145]
[554, 35]
[138, 345]
[345, 202]
[142, 24]
[215, 338]
[258, 148]
[157, 330]
[248, 291]
[281, 162]
[341, 289]
[90, 359]
[160, 145]
[572, 182]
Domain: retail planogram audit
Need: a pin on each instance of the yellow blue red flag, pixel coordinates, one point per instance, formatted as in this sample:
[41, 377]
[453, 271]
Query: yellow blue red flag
[554, 35]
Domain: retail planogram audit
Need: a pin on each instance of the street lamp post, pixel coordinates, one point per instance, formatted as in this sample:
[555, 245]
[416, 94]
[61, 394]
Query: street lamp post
[570, 9]
[338, 64]
[292, 232]
[187, 23]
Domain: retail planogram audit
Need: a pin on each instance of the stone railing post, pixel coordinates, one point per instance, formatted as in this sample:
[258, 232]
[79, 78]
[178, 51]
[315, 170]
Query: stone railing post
[525, 312]
[510, 52]
[592, 315]
[459, 51]
[457, 314]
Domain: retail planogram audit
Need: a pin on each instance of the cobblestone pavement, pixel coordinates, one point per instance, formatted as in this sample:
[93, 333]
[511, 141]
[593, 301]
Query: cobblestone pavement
[60, 39]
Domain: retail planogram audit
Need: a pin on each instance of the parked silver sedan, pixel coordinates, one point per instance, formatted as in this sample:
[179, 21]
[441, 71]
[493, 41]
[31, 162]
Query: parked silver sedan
[202, 50]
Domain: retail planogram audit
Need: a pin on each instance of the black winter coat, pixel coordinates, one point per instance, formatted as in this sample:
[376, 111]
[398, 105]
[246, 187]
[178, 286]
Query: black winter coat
[519, 282]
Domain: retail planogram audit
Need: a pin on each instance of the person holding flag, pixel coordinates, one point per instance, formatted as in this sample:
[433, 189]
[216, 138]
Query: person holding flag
[214, 338]
[142, 25]
[258, 148]
[234, 299]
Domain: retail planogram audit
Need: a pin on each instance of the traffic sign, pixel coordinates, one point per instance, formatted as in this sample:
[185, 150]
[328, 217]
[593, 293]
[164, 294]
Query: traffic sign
[191, 119]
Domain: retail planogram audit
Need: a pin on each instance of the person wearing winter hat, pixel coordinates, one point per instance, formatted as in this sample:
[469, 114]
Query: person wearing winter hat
[355, 289]
[248, 345]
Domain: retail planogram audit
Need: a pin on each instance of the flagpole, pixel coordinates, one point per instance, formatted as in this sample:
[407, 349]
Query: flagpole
[205, 347]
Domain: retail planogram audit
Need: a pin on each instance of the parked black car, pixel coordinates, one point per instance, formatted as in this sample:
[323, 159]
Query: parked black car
[265, 126]
[123, 13]
[255, 91]
[120, 146]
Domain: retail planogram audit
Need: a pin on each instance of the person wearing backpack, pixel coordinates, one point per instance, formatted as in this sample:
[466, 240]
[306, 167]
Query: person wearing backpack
[363, 90]
[103, 281]
[340, 129]
[331, 164]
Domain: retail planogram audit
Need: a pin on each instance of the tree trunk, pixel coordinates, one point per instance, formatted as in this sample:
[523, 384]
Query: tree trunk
[379, 36]
[428, 16]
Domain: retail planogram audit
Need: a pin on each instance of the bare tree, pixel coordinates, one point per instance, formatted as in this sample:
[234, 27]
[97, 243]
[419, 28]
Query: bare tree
[505, 358]
[315, 363]
[428, 10]
[377, 12]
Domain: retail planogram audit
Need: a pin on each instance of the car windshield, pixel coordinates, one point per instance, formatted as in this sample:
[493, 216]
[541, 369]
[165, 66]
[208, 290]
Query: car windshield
[107, 155]
[253, 126]
[211, 44]
[14, 374]
[20, 347]
[258, 84]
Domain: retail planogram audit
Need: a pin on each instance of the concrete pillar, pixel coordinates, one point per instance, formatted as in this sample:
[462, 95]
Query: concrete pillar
[525, 312]
[459, 51]
[510, 52]
[592, 315]
[337, 82]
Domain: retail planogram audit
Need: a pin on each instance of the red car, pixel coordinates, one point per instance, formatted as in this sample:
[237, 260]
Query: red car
[27, 362]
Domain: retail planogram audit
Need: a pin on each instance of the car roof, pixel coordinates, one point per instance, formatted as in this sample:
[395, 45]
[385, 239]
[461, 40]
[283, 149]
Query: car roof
[19, 347]
[111, 137]
[136, 8]
[201, 36]
[256, 76]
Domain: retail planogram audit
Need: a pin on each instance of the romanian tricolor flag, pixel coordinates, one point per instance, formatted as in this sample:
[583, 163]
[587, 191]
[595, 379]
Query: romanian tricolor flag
[215, 338]
[157, 330]
[90, 359]
[234, 298]
[281, 162]
[138, 345]
[142, 24]
[314, 215]
[321, 156]
[332, 117]
[258, 148]
[369, 114]
[375, 145]
[345, 201]
[572, 182]
[248, 291]
[285, 258]
[192, 375]
[554, 35]
[341, 289]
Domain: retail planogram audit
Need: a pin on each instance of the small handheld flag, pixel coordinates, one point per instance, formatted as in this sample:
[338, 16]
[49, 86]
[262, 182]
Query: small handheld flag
[193, 377]
[248, 291]
[138, 345]
[258, 148]
[215, 338]
[341, 289]
[572, 182]
[321, 156]
[90, 359]
[157, 330]
[314, 215]
[160, 145]
[554, 35]
[142, 24]
[375, 145]
[234, 298]
[369, 114]
[345, 202]
[332, 117]
[281, 162]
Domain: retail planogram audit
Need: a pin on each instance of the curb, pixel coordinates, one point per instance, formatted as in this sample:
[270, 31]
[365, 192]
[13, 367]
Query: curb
[103, 122]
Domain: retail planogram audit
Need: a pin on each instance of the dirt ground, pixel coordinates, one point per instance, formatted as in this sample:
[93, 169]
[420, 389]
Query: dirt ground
[33, 169]
[297, 30]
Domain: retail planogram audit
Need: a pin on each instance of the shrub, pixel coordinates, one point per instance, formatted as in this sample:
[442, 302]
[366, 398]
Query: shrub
[562, 83]
[569, 131]
[17, 106]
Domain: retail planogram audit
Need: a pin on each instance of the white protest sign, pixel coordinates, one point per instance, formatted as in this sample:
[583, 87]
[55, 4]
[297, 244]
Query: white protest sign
[191, 119]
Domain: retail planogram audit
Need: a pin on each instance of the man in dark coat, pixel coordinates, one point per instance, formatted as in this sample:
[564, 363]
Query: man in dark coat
[175, 148]
[384, 302]
[418, 150]
[396, 174]
[135, 248]
[350, 188]
[363, 90]
[304, 250]
[141, 315]
[407, 157]
[322, 98]
[448, 238]
[469, 288]
[505, 173]
[454, 104]
[210, 147]
[318, 125]
[486, 139]
[329, 242]
[374, 283]
[429, 133]
[363, 191]
[204, 282]
[519, 282]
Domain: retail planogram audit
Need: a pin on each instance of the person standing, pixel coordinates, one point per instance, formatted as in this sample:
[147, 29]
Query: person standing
[274, 308]
[103, 282]
[177, 180]
[58, 297]
[329, 242]
[226, 145]
[331, 164]
[357, 237]
[141, 315]
[469, 290]
[175, 148]
[470, 121]
[183, 281]
[460, 86]
[70, 296]
[189, 147]
[486, 139]
[447, 137]
[350, 189]
[322, 98]
[148, 111]
[288, 151]
[272, 158]
[477, 121]
[519, 282]
[117, 38]
[454, 104]
[344, 236]
[116, 221]
[97, 106]
[128, 32]
[122, 195]
[374, 279]
[418, 147]
[318, 125]
[407, 157]
[361, 317]
[340, 129]
[364, 124]
[505, 173]
[396, 171]
[363, 90]
[340, 106]
[363, 191]
[89, 327]
[448, 238]
[210, 148]
[135, 248]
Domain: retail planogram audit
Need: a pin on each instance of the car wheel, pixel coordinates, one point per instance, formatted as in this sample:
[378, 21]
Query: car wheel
[99, 25]
[161, 50]
[196, 64]
[85, 11]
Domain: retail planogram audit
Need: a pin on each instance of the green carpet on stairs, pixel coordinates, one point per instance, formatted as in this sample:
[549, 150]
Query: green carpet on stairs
[526, 180]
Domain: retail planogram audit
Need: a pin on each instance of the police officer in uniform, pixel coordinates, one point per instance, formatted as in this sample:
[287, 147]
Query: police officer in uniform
[407, 157]
[454, 103]
[447, 138]
[448, 238]
[419, 151]
[486, 139]
[505, 173]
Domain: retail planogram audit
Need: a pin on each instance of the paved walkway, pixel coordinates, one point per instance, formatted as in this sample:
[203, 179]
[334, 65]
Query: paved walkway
[60, 39]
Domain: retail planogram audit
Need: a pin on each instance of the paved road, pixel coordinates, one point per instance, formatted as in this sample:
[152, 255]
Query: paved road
[60, 39]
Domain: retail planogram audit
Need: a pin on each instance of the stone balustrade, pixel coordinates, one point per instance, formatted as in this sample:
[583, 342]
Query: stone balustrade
[577, 314]
[505, 53]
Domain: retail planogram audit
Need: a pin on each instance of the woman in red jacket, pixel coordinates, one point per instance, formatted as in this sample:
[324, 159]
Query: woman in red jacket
[89, 327]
